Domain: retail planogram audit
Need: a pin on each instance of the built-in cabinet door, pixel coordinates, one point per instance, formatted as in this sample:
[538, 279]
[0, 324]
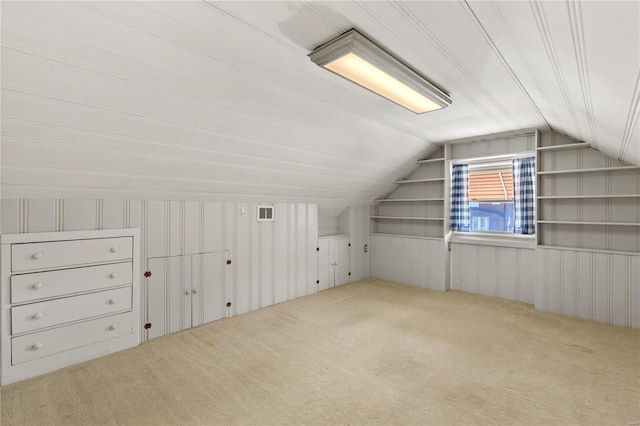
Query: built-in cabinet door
[333, 262]
[341, 261]
[207, 301]
[325, 265]
[183, 292]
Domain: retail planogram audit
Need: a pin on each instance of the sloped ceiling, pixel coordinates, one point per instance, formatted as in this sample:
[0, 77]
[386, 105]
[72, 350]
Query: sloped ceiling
[218, 100]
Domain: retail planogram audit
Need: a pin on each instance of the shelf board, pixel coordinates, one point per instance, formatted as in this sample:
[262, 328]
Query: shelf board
[406, 218]
[379, 234]
[406, 200]
[577, 222]
[598, 169]
[419, 180]
[633, 253]
[565, 146]
[430, 160]
[583, 197]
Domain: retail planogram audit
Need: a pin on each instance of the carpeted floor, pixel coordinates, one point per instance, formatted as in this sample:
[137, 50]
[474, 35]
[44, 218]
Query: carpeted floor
[371, 352]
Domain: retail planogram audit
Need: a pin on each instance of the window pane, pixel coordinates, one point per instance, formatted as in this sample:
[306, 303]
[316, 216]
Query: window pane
[491, 216]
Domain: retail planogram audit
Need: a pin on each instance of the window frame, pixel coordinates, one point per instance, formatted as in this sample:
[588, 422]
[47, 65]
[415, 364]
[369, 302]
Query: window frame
[499, 238]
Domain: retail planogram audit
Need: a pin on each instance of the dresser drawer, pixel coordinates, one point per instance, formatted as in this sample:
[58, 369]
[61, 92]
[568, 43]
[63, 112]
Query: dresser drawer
[49, 342]
[53, 312]
[40, 285]
[56, 254]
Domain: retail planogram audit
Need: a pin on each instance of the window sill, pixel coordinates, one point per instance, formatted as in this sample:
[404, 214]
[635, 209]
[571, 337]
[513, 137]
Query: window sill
[484, 239]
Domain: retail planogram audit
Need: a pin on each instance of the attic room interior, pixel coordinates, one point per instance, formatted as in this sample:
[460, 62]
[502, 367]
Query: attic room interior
[288, 212]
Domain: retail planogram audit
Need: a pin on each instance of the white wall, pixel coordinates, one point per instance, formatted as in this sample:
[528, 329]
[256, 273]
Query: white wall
[505, 272]
[603, 287]
[417, 261]
[271, 261]
[327, 225]
[359, 237]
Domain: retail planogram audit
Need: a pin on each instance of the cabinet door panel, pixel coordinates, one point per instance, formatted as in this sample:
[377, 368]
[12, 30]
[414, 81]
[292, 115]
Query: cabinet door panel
[208, 270]
[186, 287]
[156, 296]
[325, 267]
[341, 261]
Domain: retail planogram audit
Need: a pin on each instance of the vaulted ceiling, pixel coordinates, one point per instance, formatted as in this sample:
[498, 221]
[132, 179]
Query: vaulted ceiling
[218, 100]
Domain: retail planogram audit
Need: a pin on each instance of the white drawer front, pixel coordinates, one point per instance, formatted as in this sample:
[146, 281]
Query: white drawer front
[53, 312]
[40, 285]
[34, 256]
[44, 343]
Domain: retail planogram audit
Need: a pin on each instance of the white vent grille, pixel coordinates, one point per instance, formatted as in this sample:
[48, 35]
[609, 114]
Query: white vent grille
[265, 213]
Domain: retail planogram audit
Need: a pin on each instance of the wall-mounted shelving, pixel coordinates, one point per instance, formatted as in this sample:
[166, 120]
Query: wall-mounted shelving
[606, 220]
[407, 218]
[579, 145]
[586, 197]
[407, 200]
[592, 170]
[584, 222]
[416, 206]
[418, 180]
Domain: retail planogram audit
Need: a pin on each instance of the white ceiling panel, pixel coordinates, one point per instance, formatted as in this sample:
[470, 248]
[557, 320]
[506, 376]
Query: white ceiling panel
[212, 100]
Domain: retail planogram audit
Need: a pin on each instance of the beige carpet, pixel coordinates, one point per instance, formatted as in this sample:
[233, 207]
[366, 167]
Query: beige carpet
[371, 352]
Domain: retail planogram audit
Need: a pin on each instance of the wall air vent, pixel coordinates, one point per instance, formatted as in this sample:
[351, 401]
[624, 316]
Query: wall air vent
[265, 213]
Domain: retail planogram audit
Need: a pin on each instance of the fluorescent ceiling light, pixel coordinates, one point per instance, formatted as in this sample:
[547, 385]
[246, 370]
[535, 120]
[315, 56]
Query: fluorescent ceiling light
[356, 58]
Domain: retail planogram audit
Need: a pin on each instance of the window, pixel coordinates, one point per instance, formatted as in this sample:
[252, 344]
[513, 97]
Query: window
[491, 199]
[494, 197]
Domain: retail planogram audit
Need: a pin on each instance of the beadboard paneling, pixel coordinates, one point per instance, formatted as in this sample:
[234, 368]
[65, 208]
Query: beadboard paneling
[270, 261]
[359, 237]
[494, 147]
[414, 261]
[603, 287]
[504, 272]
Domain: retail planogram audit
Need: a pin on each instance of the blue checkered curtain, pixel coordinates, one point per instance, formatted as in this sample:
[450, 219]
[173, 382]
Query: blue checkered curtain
[460, 198]
[524, 195]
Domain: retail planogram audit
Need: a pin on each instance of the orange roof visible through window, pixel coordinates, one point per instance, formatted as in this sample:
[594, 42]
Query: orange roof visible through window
[487, 186]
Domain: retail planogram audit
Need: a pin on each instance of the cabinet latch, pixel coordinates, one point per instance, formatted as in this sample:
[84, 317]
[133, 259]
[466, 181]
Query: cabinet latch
[147, 274]
[229, 262]
[147, 326]
[228, 304]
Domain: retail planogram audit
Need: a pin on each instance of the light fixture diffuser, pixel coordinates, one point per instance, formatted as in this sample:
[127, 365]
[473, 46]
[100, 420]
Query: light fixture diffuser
[357, 59]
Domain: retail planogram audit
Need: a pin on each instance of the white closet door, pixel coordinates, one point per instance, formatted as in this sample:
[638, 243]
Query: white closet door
[341, 261]
[156, 296]
[325, 267]
[185, 288]
[208, 301]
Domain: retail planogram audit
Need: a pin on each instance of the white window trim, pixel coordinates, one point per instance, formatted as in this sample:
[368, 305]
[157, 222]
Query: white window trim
[500, 239]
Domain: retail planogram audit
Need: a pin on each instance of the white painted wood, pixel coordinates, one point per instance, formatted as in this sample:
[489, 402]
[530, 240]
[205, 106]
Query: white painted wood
[157, 229]
[301, 255]
[37, 256]
[113, 214]
[80, 215]
[243, 282]
[504, 272]
[39, 315]
[590, 285]
[266, 257]
[42, 285]
[157, 297]
[392, 258]
[207, 269]
[45, 343]
[69, 296]
[193, 231]
[42, 216]
[280, 245]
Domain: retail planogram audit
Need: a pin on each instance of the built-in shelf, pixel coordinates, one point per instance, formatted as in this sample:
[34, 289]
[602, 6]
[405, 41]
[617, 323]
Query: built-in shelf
[563, 147]
[406, 236]
[420, 180]
[597, 169]
[582, 197]
[589, 250]
[581, 222]
[406, 218]
[430, 160]
[408, 200]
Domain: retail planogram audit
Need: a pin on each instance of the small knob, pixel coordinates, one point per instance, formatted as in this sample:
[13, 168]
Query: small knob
[113, 301]
[36, 346]
[187, 292]
[36, 256]
[113, 275]
[194, 291]
[37, 286]
[37, 316]
[114, 249]
[113, 326]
